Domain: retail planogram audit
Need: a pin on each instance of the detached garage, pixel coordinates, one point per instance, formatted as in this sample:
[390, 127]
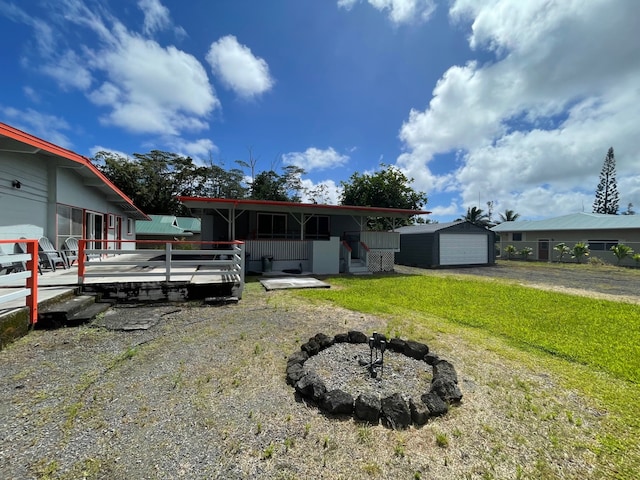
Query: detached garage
[455, 244]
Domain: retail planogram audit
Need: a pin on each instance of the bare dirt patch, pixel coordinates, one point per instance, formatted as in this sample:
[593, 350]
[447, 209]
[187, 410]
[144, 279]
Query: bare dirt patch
[607, 282]
[202, 394]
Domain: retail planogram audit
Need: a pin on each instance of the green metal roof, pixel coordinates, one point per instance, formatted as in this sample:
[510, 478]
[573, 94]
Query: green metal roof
[190, 224]
[165, 225]
[575, 221]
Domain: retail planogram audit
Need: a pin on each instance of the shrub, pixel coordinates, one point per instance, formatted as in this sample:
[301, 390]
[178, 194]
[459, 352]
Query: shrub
[622, 251]
[509, 250]
[525, 252]
[562, 249]
[580, 249]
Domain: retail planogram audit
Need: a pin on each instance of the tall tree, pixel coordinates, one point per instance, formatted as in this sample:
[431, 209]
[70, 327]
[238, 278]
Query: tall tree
[508, 216]
[387, 188]
[477, 216]
[606, 200]
[154, 180]
[270, 185]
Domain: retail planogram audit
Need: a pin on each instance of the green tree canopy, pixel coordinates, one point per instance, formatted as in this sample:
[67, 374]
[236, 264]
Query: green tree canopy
[154, 180]
[508, 216]
[476, 216]
[285, 187]
[607, 197]
[386, 188]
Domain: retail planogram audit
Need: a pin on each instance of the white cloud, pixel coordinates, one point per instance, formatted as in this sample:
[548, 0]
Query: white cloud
[199, 150]
[238, 68]
[99, 148]
[156, 16]
[316, 159]
[399, 11]
[532, 127]
[153, 89]
[324, 192]
[143, 86]
[48, 127]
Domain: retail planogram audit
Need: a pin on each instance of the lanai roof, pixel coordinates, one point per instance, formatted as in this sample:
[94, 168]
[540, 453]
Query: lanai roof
[574, 221]
[14, 140]
[199, 203]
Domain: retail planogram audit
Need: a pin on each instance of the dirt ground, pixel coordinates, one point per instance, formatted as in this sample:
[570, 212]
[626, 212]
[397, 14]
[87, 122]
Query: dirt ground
[202, 394]
[601, 281]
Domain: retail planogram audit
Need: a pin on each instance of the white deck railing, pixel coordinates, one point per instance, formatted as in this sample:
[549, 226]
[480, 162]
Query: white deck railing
[29, 275]
[170, 260]
[280, 249]
[381, 240]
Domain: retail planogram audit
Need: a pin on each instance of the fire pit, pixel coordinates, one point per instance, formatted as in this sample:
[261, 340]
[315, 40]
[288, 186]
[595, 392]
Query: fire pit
[374, 378]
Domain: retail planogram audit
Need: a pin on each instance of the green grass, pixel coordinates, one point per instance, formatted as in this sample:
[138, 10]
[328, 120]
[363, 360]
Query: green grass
[589, 345]
[598, 333]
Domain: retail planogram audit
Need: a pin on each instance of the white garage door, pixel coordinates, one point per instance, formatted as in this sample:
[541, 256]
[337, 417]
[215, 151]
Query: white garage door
[463, 249]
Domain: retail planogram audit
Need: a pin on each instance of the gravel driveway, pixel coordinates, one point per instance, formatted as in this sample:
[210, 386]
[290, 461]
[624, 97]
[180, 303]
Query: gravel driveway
[201, 394]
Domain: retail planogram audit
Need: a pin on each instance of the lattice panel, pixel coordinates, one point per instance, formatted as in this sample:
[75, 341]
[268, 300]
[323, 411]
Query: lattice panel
[381, 261]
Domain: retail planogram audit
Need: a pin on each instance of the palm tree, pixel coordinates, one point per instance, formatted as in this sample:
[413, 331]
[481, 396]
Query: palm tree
[476, 216]
[579, 250]
[509, 216]
[622, 251]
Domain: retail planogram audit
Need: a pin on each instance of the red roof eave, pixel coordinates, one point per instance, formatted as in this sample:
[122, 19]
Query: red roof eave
[36, 142]
[295, 205]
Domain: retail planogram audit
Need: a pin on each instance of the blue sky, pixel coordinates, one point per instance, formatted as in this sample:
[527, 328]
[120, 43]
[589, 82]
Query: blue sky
[505, 101]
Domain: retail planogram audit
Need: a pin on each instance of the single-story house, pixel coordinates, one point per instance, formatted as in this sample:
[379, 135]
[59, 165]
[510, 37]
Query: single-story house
[599, 231]
[452, 244]
[46, 190]
[192, 225]
[301, 237]
[168, 227]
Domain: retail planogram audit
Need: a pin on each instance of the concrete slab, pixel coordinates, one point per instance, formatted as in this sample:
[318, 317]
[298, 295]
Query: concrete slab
[282, 283]
[133, 317]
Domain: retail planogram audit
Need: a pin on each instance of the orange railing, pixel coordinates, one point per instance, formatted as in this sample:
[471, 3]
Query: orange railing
[30, 290]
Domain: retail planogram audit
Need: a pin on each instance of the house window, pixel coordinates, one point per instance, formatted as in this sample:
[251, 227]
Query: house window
[129, 226]
[272, 225]
[69, 223]
[112, 222]
[317, 227]
[603, 245]
[516, 236]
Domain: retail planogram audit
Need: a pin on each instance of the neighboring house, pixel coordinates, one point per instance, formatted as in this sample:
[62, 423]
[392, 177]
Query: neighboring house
[600, 231]
[167, 227]
[46, 190]
[190, 224]
[446, 245]
[299, 237]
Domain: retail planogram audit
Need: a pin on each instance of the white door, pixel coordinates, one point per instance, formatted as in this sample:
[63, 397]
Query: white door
[464, 249]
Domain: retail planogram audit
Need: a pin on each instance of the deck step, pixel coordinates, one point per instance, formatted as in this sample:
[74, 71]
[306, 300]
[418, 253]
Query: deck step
[221, 300]
[69, 312]
[87, 314]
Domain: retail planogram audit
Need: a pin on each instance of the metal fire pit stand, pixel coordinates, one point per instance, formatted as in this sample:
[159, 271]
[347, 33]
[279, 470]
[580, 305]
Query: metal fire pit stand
[378, 345]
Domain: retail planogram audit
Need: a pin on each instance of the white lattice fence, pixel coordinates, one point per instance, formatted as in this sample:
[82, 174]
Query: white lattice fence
[380, 261]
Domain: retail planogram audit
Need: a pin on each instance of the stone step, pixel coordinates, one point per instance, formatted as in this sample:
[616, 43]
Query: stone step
[87, 314]
[66, 312]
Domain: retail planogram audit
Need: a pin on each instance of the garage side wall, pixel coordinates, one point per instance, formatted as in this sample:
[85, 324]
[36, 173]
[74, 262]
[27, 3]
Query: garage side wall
[417, 250]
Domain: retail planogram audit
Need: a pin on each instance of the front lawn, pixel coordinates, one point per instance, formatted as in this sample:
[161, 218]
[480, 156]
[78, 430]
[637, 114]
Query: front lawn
[590, 345]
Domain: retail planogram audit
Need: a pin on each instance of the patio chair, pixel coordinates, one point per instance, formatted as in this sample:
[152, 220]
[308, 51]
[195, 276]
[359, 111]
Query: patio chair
[49, 255]
[70, 250]
[22, 248]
